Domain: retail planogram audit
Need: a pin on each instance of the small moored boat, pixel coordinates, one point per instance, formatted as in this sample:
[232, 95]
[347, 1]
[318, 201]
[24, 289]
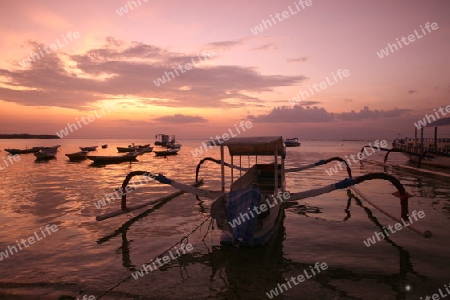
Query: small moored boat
[166, 152]
[132, 148]
[47, 153]
[114, 159]
[292, 142]
[104, 146]
[77, 155]
[13, 151]
[90, 148]
[167, 141]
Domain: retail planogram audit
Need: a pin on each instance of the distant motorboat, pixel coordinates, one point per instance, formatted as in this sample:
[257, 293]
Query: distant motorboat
[167, 141]
[132, 148]
[166, 152]
[77, 156]
[114, 159]
[104, 146]
[91, 148]
[14, 151]
[292, 142]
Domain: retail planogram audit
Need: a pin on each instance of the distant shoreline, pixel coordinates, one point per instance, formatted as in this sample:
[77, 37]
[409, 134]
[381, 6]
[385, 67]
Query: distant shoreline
[28, 136]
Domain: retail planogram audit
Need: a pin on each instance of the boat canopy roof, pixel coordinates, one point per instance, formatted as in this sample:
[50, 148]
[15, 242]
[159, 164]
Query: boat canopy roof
[440, 122]
[264, 145]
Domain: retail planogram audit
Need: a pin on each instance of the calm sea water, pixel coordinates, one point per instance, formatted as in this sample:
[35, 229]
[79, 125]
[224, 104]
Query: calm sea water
[87, 257]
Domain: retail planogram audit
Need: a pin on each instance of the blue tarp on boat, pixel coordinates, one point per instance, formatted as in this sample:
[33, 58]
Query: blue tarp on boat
[240, 213]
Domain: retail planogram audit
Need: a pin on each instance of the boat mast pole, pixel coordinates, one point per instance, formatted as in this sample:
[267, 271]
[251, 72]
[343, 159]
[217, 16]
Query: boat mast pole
[232, 169]
[421, 141]
[222, 167]
[276, 170]
[240, 165]
[435, 138]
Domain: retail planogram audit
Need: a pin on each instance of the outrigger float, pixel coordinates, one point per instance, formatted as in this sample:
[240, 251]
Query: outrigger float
[250, 211]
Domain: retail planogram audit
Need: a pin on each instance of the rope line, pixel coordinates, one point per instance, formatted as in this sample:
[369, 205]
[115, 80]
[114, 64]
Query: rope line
[181, 241]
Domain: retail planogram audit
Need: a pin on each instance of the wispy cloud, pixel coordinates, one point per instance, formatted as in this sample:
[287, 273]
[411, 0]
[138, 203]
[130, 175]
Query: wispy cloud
[298, 59]
[269, 46]
[226, 45]
[181, 119]
[120, 69]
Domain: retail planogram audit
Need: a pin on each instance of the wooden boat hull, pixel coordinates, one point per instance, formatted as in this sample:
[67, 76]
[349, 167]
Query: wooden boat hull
[92, 148]
[143, 149]
[24, 151]
[167, 152]
[113, 159]
[264, 229]
[253, 195]
[292, 144]
[77, 155]
[45, 154]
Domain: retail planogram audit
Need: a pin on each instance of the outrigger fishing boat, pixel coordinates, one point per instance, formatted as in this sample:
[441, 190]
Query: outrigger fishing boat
[249, 211]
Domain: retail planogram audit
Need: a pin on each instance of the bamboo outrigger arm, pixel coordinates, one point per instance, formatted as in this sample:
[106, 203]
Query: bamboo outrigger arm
[322, 162]
[310, 166]
[348, 182]
[182, 188]
[217, 161]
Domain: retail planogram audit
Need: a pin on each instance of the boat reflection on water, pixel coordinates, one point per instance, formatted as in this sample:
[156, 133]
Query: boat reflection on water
[250, 273]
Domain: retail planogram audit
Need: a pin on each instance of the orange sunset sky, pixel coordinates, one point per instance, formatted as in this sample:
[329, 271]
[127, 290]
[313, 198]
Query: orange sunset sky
[117, 49]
